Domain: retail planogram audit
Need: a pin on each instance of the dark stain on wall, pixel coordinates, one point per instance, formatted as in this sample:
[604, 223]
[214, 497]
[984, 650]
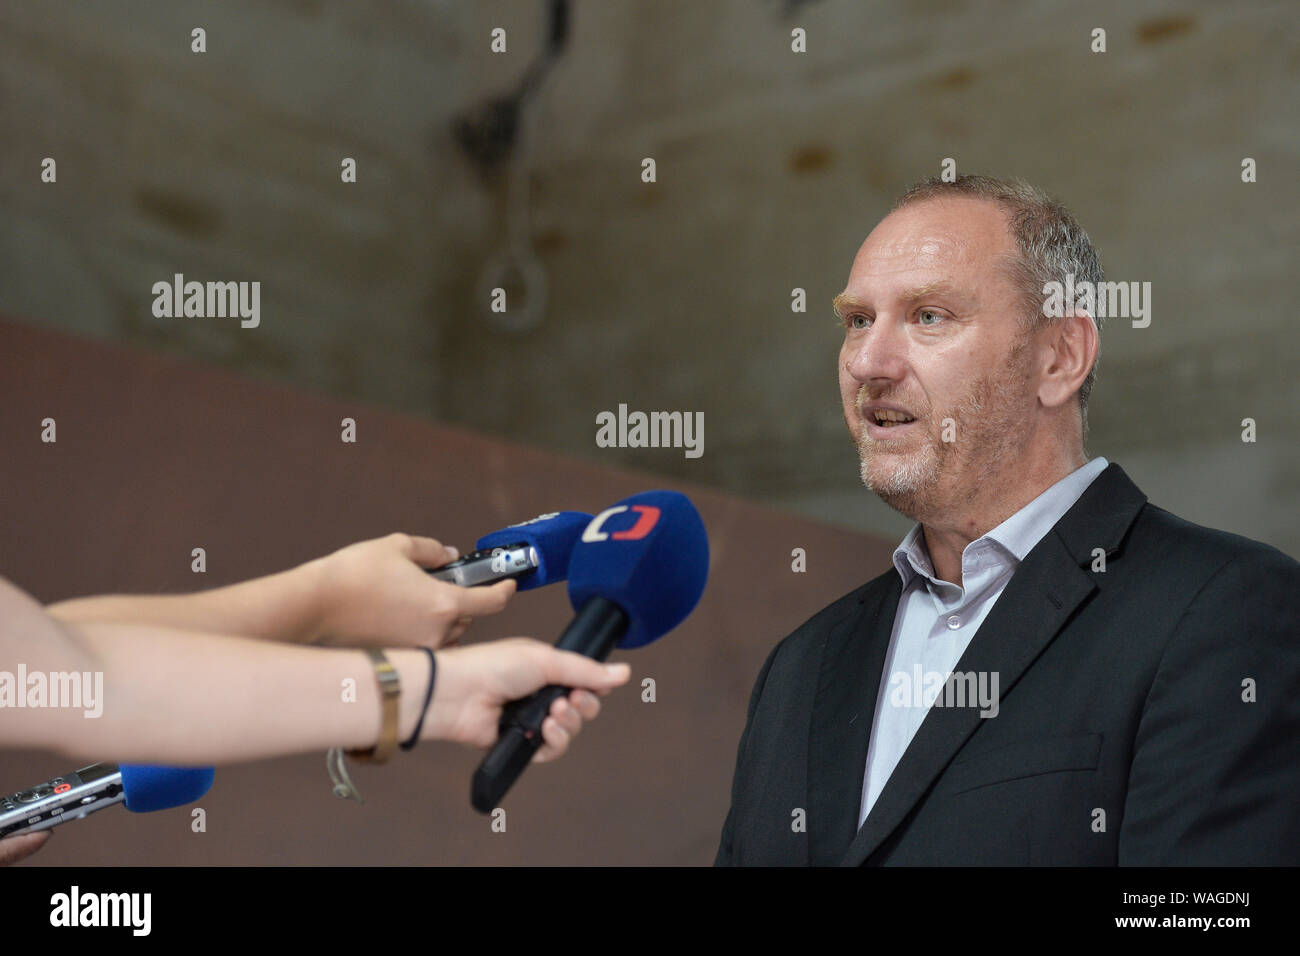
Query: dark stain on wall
[1159, 29]
[190, 217]
[813, 158]
[956, 79]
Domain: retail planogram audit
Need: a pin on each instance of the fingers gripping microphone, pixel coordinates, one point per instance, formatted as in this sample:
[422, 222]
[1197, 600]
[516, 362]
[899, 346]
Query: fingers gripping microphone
[72, 796]
[636, 573]
[534, 553]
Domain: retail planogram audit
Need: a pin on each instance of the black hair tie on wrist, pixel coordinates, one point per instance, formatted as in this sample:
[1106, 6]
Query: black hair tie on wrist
[428, 697]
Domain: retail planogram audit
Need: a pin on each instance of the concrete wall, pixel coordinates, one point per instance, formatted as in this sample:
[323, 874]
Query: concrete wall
[772, 167]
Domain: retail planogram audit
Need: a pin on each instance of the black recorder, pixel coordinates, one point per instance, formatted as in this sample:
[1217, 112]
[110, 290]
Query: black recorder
[489, 565]
[65, 798]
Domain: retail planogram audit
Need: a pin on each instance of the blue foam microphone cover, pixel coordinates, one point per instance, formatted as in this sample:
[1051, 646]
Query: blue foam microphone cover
[649, 554]
[553, 535]
[151, 788]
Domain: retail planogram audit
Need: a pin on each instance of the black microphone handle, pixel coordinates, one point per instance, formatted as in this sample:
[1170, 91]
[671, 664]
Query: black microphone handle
[593, 632]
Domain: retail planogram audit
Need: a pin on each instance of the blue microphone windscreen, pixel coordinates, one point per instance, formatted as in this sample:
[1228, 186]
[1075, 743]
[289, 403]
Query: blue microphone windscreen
[649, 554]
[553, 535]
[161, 788]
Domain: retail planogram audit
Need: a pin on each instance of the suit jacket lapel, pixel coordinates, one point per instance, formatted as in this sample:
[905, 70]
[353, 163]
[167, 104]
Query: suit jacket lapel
[1041, 596]
[843, 712]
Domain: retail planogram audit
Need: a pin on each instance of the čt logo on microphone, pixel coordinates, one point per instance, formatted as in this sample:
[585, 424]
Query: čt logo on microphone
[645, 522]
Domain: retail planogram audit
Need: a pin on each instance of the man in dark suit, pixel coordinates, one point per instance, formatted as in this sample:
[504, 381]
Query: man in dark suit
[1054, 671]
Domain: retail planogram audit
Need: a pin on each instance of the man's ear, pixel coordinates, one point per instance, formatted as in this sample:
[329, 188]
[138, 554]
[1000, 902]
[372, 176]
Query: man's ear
[1074, 343]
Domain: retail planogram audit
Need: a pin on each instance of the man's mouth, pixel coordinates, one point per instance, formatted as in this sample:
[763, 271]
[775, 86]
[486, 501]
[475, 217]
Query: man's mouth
[887, 424]
[888, 418]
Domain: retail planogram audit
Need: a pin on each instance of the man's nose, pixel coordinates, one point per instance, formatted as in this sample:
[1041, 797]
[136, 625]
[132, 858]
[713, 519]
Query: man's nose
[878, 353]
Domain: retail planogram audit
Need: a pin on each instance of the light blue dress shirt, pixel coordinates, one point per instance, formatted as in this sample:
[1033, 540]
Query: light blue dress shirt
[937, 619]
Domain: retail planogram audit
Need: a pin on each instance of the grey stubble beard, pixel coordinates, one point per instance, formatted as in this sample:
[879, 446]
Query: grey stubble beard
[989, 434]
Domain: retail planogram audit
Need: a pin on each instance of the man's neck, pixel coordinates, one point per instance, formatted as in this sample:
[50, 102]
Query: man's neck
[946, 536]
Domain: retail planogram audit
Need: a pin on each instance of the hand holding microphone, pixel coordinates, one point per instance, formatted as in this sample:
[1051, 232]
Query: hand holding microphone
[398, 591]
[476, 683]
[409, 590]
[381, 591]
[637, 571]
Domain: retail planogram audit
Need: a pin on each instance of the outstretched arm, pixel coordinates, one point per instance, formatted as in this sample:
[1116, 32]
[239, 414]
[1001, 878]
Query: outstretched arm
[191, 698]
[372, 592]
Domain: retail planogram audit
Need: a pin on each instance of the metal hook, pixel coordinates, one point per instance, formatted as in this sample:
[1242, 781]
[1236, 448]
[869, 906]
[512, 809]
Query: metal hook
[533, 277]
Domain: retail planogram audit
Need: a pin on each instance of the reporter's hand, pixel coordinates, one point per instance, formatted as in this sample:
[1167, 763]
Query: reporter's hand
[475, 683]
[377, 592]
[15, 848]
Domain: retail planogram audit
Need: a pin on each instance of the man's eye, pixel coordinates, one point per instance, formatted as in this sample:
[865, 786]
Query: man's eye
[932, 314]
[858, 321]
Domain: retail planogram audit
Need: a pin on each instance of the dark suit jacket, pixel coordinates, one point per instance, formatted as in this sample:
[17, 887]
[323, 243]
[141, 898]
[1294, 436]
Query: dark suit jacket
[1122, 735]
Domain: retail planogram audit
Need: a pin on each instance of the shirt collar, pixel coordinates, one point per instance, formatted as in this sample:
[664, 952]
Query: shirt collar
[1017, 535]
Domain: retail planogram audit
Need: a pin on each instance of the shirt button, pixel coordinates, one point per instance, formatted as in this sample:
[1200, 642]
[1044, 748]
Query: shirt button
[954, 622]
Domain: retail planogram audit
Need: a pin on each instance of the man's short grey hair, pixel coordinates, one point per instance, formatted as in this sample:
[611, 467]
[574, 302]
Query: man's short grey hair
[1051, 241]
